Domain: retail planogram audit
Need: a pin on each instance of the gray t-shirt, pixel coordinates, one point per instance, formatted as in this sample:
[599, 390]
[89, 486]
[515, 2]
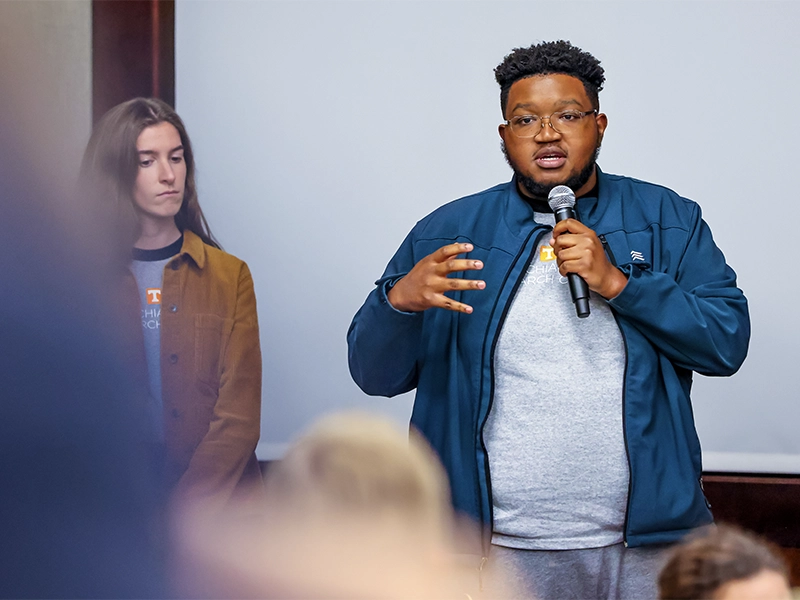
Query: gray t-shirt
[147, 267]
[557, 460]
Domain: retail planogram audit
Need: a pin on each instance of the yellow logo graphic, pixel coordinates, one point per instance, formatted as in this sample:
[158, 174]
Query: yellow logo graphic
[153, 295]
[546, 254]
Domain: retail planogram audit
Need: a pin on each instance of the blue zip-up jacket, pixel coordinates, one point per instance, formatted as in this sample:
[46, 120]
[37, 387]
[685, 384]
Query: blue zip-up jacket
[680, 312]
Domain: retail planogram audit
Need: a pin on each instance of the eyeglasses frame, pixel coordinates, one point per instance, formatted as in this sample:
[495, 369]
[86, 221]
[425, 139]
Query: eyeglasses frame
[586, 113]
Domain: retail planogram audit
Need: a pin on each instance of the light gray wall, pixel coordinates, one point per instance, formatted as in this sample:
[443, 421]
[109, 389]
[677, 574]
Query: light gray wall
[324, 130]
[46, 60]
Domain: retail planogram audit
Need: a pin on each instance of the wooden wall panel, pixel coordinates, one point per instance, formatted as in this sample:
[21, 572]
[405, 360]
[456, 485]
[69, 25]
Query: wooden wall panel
[768, 505]
[133, 52]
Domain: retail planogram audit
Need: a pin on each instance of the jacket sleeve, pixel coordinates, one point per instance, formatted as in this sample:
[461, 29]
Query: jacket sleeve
[219, 461]
[383, 342]
[697, 317]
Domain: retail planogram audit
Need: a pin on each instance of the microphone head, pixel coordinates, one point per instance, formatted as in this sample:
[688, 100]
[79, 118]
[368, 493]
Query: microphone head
[561, 197]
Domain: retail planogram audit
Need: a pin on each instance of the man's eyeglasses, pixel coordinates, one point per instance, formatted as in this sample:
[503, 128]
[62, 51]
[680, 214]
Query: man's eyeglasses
[563, 121]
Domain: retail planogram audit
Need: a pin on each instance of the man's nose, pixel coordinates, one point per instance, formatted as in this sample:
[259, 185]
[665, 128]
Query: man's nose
[547, 131]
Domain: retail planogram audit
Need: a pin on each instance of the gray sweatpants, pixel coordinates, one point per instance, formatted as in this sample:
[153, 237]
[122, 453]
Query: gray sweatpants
[592, 574]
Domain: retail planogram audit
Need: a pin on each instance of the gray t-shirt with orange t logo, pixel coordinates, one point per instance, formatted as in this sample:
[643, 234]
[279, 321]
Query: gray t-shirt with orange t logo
[147, 267]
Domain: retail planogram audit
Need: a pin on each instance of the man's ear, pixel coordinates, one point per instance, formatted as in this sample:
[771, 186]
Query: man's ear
[502, 129]
[602, 123]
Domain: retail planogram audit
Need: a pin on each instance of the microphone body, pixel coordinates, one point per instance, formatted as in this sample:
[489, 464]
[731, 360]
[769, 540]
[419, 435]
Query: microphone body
[562, 200]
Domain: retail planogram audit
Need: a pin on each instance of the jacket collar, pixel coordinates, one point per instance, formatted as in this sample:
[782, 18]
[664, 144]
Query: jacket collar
[519, 214]
[592, 208]
[194, 247]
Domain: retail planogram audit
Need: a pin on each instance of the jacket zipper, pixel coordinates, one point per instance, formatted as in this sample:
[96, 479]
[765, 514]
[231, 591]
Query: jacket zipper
[484, 542]
[613, 261]
[607, 248]
[625, 435]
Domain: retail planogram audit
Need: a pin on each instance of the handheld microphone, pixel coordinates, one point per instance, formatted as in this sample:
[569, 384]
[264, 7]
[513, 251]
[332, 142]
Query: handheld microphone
[562, 200]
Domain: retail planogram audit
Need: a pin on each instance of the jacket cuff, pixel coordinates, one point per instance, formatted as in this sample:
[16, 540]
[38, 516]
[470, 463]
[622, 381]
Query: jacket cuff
[627, 298]
[384, 285]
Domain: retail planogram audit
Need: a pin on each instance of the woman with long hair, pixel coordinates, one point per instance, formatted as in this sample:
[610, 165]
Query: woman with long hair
[198, 306]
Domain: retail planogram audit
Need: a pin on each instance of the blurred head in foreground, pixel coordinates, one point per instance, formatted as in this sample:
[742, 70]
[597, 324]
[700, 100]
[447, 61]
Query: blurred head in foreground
[356, 509]
[356, 467]
[724, 563]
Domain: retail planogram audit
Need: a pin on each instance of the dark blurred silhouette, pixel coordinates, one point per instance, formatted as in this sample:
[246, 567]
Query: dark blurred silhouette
[80, 505]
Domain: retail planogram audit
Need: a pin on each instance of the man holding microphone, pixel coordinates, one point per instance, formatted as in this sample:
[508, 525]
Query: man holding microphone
[570, 440]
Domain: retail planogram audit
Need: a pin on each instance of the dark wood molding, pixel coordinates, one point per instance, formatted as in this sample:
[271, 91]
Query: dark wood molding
[768, 505]
[133, 52]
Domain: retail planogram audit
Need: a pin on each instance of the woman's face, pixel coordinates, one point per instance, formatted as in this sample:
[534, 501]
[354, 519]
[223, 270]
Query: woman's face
[764, 585]
[160, 182]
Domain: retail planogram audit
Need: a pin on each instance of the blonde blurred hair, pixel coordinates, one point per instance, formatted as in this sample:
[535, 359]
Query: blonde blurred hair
[364, 467]
[357, 508]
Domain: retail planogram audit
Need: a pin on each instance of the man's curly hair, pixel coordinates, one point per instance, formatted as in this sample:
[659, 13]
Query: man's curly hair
[548, 58]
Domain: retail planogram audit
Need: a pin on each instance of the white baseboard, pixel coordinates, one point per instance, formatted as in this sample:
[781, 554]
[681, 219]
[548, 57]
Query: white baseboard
[270, 451]
[733, 462]
[751, 462]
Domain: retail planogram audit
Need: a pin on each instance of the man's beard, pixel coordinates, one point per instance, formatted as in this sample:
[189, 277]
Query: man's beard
[540, 191]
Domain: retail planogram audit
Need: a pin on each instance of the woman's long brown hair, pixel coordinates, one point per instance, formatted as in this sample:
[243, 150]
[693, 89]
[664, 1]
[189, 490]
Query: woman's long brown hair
[111, 163]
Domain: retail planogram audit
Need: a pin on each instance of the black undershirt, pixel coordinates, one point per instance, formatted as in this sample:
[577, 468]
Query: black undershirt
[159, 253]
[541, 206]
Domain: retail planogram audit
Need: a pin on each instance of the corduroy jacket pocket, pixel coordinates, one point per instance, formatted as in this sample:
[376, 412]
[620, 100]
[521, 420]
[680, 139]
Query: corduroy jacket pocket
[212, 334]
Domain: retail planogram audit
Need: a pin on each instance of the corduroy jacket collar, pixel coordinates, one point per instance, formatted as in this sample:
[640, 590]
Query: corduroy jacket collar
[193, 247]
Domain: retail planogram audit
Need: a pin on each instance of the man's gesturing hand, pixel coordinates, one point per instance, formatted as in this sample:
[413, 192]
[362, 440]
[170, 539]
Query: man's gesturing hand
[579, 250]
[426, 283]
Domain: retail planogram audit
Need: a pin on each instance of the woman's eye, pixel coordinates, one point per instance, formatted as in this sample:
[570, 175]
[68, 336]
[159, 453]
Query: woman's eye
[146, 163]
[177, 159]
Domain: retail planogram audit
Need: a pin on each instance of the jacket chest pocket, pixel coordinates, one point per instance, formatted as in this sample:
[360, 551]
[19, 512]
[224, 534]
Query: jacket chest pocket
[629, 249]
[211, 335]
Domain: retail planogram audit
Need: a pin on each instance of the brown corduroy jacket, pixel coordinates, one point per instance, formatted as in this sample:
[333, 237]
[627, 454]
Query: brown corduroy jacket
[210, 374]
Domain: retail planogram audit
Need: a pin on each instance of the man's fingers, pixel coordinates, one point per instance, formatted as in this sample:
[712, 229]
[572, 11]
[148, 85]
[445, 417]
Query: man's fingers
[455, 265]
[569, 226]
[457, 284]
[446, 252]
[576, 252]
[426, 283]
[568, 240]
[450, 304]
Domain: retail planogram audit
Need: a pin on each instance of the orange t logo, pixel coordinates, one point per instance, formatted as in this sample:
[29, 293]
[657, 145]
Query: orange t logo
[153, 295]
[547, 254]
